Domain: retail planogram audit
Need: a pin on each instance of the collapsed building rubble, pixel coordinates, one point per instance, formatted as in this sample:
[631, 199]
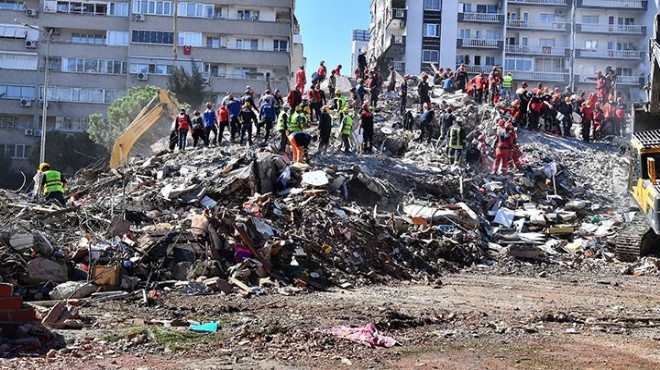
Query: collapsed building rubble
[227, 219]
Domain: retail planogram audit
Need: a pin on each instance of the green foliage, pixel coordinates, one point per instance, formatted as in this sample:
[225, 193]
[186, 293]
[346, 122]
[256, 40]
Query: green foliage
[190, 89]
[120, 115]
[68, 153]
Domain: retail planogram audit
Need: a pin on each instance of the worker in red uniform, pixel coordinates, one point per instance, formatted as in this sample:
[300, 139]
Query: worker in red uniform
[223, 117]
[620, 118]
[321, 72]
[478, 85]
[514, 111]
[587, 113]
[516, 153]
[503, 146]
[301, 79]
[183, 124]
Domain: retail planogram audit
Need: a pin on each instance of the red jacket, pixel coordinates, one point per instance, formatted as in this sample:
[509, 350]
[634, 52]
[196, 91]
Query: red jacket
[223, 113]
[514, 112]
[183, 121]
[300, 76]
[322, 71]
[587, 113]
[479, 82]
[620, 113]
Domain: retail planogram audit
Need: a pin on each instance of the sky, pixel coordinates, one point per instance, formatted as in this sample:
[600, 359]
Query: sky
[327, 28]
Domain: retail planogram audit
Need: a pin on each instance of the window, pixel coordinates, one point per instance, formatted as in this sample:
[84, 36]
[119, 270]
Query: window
[280, 45]
[247, 44]
[54, 63]
[13, 32]
[71, 123]
[547, 17]
[80, 94]
[8, 122]
[591, 44]
[215, 70]
[492, 35]
[17, 92]
[590, 19]
[190, 38]
[12, 5]
[550, 65]
[464, 34]
[118, 9]
[152, 7]
[490, 61]
[624, 71]
[94, 66]
[518, 65]
[156, 69]
[626, 21]
[152, 37]
[17, 151]
[432, 4]
[82, 7]
[547, 42]
[431, 30]
[117, 38]
[477, 60]
[85, 38]
[463, 59]
[213, 42]
[18, 60]
[430, 56]
[195, 10]
[248, 15]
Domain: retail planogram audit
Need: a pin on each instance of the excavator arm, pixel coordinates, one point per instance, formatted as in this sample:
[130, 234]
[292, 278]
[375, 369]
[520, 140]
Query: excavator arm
[654, 80]
[149, 115]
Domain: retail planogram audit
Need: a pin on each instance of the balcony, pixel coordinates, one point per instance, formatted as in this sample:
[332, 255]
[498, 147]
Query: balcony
[540, 2]
[540, 76]
[641, 5]
[479, 44]
[261, 56]
[470, 17]
[620, 80]
[557, 51]
[633, 55]
[397, 18]
[396, 44]
[477, 69]
[619, 29]
[538, 25]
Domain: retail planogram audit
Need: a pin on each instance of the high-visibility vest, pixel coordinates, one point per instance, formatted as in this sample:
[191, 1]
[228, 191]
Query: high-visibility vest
[53, 182]
[341, 103]
[507, 80]
[455, 137]
[294, 123]
[282, 121]
[347, 125]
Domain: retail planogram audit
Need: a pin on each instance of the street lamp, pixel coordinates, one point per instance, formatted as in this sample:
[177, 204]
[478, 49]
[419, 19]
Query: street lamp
[44, 107]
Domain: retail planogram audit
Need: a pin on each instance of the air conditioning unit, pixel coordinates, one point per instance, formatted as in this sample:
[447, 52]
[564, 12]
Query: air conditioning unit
[37, 133]
[31, 44]
[31, 12]
[206, 79]
[142, 76]
[139, 17]
[28, 132]
[26, 103]
[560, 12]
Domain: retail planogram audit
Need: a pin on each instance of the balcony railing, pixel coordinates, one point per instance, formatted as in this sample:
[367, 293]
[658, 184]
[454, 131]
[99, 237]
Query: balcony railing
[540, 2]
[480, 17]
[538, 25]
[476, 69]
[540, 76]
[395, 40]
[615, 4]
[629, 80]
[239, 76]
[396, 14]
[538, 50]
[479, 43]
[610, 54]
[612, 28]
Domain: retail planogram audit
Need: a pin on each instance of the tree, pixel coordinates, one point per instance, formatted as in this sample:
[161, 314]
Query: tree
[68, 153]
[120, 115]
[189, 89]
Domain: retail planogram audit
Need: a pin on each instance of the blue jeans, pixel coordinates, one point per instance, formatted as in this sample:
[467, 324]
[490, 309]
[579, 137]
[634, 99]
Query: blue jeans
[183, 137]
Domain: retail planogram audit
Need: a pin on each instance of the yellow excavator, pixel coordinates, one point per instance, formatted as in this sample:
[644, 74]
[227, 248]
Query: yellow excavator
[162, 105]
[637, 238]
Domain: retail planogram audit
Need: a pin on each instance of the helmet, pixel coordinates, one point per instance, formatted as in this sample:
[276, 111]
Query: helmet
[346, 110]
[43, 166]
[508, 73]
[307, 110]
[501, 123]
[299, 108]
[286, 107]
[337, 92]
[515, 103]
[509, 126]
[365, 106]
[326, 109]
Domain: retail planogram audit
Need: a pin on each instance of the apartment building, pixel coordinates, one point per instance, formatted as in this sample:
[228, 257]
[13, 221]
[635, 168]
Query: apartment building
[359, 44]
[556, 42]
[95, 50]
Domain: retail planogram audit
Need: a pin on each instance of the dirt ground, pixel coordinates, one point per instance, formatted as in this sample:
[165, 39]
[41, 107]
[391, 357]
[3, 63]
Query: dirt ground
[465, 321]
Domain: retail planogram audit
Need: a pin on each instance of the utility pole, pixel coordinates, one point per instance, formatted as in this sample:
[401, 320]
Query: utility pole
[176, 37]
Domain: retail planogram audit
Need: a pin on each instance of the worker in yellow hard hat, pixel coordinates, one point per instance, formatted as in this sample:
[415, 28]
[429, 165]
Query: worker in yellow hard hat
[52, 184]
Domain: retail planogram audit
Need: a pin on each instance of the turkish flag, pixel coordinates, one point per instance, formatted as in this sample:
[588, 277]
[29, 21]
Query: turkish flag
[187, 49]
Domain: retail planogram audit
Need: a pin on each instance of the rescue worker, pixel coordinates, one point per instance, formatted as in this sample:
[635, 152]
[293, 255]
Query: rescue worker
[456, 143]
[424, 90]
[461, 78]
[301, 79]
[278, 101]
[507, 83]
[210, 125]
[197, 123]
[282, 123]
[296, 120]
[426, 124]
[325, 129]
[315, 103]
[223, 118]
[566, 109]
[478, 85]
[514, 111]
[403, 94]
[299, 143]
[346, 129]
[392, 80]
[247, 119]
[183, 126]
[534, 109]
[367, 128]
[321, 72]
[522, 95]
[373, 84]
[266, 118]
[52, 184]
[248, 98]
[339, 101]
[234, 109]
[494, 81]
[446, 121]
[515, 150]
[586, 111]
[620, 118]
[503, 146]
[332, 83]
